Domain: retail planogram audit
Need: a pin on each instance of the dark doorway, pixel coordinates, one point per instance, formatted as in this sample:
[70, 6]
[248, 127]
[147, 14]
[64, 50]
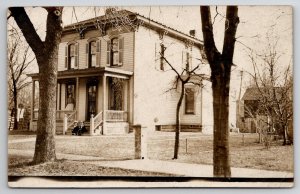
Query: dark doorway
[91, 100]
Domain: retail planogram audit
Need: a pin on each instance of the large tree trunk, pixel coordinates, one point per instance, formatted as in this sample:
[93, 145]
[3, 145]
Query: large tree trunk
[176, 146]
[220, 65]
[221, 156]
[45, 144]
[46, 53]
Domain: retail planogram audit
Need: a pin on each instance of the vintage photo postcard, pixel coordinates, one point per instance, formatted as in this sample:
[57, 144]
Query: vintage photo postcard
[154, 96]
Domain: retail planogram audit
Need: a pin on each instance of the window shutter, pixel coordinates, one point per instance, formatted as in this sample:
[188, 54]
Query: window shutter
[66, 57]
[162, 55]
[187, 63]
[98, 59]
[76, 55]
[108, 49]
[183, 59]
[121, 51]
[87, 54]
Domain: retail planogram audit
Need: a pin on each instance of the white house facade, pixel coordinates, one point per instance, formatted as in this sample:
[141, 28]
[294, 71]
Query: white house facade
[112, 76]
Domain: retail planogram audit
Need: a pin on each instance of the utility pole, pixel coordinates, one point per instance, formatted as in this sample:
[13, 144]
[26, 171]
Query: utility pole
[239, 101]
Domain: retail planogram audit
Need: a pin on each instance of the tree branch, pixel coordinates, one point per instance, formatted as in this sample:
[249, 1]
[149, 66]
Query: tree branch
[27, 29]
[229, 34]
[211, 51]
[54, 27]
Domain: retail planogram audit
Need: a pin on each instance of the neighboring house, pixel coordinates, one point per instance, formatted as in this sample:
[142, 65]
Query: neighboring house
[251, 117]
[113, 77]
[248, 117]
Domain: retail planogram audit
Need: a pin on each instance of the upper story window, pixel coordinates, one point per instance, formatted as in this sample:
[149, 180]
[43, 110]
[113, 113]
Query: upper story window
[71, 56]
[189, 101]
[115, 49]
[93, 53]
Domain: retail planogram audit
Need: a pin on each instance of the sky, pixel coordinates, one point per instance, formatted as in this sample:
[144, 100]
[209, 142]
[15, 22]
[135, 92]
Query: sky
[255, 23]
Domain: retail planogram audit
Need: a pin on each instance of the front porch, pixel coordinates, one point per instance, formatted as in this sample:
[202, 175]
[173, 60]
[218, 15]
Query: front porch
[100, 97]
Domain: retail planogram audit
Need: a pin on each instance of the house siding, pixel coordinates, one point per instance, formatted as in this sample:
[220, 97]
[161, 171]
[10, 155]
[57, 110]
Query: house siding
[152, 104]
[128, 51]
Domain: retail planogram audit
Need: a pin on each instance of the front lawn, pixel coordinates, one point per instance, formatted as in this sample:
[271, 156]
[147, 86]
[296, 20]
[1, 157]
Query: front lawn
[20, 166]
[244, 152]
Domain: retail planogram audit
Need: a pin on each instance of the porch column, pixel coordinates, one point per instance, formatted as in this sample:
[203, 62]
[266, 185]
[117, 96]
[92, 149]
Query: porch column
[32, 99]
[58, 97]
[104, 92]
[77, 98]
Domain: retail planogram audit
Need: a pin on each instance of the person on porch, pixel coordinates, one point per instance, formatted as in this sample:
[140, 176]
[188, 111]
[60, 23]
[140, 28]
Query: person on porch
[70, 103]
[79, 129]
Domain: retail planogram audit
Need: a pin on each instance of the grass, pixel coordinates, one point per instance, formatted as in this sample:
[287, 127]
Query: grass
[244, 152]
[21, 132]
[21, 166]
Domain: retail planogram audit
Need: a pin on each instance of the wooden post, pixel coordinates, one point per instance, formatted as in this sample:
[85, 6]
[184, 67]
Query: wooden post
[144, 142]
[77, 98]
[58, 97]
[137, 141]
[104, 93]
[65, 126]
[92, 124]
[32, 100]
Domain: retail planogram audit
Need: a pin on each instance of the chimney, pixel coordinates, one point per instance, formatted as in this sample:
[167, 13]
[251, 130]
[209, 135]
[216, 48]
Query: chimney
[192, 32]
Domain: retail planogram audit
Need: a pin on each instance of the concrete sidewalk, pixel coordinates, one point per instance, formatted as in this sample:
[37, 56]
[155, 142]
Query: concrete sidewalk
[190, 170]
[169, 167]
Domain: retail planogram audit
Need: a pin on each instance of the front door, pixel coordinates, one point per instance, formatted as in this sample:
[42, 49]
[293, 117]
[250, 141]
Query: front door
[91, 100]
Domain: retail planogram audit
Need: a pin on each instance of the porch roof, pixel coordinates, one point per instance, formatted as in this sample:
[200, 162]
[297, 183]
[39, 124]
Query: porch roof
[98, 71]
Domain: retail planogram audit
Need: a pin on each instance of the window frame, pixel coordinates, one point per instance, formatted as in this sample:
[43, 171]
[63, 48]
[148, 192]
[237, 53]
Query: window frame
[115, 54]
[186, 111]
[73, 93]
[71, 56]
[90, 53]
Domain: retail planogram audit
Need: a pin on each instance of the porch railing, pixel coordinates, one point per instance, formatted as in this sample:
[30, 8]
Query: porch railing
[116, 115]
[95, 122]
[60, 114]
[69, 119]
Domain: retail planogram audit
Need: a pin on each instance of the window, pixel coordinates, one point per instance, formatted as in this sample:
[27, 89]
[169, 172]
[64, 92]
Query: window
[189, 101]
[116, 94]
[115, 52]
[70, 96]
[162, 60]
[71, 56]
[93, 53]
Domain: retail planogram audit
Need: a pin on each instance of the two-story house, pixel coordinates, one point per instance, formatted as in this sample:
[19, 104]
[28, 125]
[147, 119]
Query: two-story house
[111, 75]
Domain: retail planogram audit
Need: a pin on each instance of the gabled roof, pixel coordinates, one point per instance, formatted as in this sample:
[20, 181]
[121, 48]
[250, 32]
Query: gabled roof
[251, 94]
[254, 93]
[146, 21]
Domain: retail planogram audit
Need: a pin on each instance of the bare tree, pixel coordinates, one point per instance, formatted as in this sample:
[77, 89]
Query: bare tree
[18, 61]
[187, 76]
[46, 55]
[274, 84]
[220, 65]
